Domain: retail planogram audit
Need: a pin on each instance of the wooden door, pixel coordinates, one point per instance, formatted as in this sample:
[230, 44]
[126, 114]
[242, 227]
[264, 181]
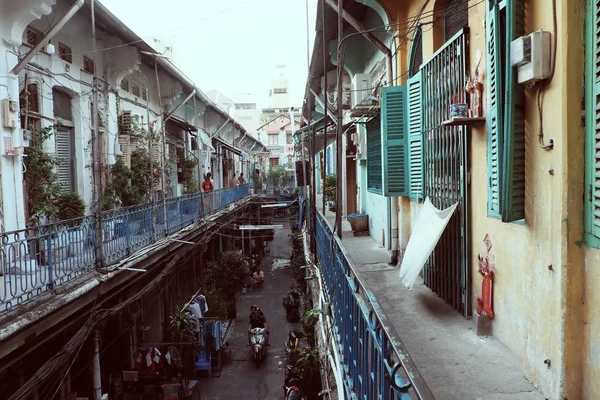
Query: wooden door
[351, 186]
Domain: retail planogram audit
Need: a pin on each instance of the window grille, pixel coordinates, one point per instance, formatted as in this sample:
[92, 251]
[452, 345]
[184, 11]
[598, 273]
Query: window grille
[88, 65]
[65, 53]
[62, 104]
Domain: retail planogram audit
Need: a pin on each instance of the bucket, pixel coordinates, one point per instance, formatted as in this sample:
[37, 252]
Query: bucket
[459, 110]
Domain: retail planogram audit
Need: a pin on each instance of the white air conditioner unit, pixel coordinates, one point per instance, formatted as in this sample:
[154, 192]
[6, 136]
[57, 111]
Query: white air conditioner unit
[531, 55]
[361, 88]
[119, 149]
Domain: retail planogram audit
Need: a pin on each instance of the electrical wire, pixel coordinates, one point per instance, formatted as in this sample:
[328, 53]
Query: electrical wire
[543, 85]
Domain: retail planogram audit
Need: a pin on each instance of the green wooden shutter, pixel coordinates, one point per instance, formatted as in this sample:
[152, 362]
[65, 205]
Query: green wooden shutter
[415, 137]
[592, 165]
[494, 106]
[374, 184]
[513, 161]
[394, 113]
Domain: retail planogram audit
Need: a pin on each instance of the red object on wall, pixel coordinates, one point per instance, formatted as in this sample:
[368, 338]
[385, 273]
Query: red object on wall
[487, 266]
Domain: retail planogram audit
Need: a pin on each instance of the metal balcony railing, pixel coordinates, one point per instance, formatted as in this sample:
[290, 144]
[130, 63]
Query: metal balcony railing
[35, 261]
[376, 363]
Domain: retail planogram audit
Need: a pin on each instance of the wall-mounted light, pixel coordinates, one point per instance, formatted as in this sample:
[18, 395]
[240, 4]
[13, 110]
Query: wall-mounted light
[50, 49]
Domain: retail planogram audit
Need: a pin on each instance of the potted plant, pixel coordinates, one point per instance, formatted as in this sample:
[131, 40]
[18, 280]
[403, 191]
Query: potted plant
[228, 274]
[71, 208]
[331, 191]
[182, 330]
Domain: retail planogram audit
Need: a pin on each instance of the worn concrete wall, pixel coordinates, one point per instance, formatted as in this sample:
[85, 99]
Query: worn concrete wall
[539, 312]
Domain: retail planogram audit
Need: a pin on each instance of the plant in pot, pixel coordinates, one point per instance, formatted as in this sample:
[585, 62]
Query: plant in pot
[182, 330]
[71, 209]
[276, 174]
[331, 191]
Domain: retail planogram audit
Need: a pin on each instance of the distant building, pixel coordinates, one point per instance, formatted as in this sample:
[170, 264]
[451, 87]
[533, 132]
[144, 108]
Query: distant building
[279, 92]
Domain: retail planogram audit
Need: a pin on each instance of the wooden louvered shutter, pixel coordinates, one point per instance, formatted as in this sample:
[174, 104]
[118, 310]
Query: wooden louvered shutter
[64, 152]
[494, 106]
[415, 137]
[374, 184]
[592, 166]
[394, 128]
[513, 161]
[125, 149]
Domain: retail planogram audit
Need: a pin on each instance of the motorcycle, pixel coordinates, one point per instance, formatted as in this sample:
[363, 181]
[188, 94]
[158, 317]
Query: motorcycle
[291, 385]
[291, 304]
[291, 345]
[257, 344]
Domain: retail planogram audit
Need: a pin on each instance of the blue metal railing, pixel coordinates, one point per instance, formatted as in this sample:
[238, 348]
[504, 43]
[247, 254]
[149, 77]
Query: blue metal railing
[376, 363]
[37, 260]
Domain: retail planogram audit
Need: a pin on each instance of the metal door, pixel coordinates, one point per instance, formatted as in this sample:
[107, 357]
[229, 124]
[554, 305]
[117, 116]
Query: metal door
[445, 147]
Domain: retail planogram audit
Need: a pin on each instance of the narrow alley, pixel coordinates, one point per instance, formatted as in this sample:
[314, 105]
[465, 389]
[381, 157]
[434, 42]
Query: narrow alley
[240, 376]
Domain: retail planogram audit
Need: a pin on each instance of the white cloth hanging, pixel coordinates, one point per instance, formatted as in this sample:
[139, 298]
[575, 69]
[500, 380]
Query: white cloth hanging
[427, 231]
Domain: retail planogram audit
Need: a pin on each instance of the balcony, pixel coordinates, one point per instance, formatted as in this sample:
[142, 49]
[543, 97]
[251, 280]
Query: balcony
[38, 260]
[384, 330]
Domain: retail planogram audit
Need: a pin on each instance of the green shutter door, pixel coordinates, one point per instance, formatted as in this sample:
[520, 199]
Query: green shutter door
[415, 137]
[494, 106]
[394, 112]
[374, 156]
[592, 167]
[513, 161]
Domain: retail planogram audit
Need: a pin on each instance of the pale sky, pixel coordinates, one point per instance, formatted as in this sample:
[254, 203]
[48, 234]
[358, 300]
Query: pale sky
[229, 45]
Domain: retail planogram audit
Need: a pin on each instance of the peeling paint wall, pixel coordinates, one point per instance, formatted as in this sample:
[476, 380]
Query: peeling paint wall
[539, 312]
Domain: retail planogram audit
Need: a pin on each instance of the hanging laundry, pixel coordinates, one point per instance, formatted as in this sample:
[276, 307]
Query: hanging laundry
[195, 308]
[201, 300]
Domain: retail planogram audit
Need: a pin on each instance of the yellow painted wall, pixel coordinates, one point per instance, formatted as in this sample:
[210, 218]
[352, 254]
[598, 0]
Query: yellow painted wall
[540, 313]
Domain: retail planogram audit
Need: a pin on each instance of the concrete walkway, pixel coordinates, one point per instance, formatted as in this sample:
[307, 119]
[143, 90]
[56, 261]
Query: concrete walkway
[455, 362]
[240, 378]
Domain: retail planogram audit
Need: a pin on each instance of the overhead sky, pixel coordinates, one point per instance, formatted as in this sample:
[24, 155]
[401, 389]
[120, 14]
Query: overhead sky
[232, 46]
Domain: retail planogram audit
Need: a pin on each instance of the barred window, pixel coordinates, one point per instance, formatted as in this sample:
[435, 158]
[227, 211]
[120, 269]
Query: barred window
[65, 53]
[88, 65]
[144, 93]
[33, 36]
[135, 90]
[124, 84]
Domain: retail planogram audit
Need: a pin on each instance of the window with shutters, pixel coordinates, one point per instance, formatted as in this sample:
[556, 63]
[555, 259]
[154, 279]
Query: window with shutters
[415, 137]
[394, 126]
[124, 84]
[374, 181]
[506, 113]
[135, 90]
[592, 115]
[64, 144]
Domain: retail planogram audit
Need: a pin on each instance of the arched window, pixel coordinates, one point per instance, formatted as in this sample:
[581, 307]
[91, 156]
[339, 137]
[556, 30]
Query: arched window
[449, 17]
[416, 53]
[65, 146]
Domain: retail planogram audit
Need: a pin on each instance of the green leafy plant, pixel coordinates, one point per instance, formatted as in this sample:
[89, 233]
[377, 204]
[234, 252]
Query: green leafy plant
[276, 173]
[189, 171]
[311, 317]
[129, 186]
[70, 206]
[41, 177]
[330, 187]
[228, 274]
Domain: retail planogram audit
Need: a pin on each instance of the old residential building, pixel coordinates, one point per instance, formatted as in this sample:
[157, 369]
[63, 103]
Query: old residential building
[525, 193]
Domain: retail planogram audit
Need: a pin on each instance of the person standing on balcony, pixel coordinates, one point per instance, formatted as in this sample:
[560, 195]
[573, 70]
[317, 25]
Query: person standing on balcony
[241, 180]
[208, 183]
[233, 181]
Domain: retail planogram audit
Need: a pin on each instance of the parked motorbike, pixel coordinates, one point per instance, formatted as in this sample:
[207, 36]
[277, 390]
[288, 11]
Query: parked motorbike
[257, 344]
[292, 383]
[291, 345]
[291, 304]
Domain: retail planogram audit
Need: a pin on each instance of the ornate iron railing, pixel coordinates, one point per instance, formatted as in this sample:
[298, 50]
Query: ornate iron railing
[37, 260]
[376, 363]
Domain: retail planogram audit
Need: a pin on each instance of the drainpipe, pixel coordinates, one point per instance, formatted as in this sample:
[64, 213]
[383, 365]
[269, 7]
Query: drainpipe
[97, 378]
[388, 54]
[53, 31]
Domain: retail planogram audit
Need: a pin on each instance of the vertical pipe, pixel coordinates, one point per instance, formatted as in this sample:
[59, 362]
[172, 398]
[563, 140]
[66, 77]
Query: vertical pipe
[339, 133]
[96, 376]
[98, 261]
[326, 102]
[164, 153]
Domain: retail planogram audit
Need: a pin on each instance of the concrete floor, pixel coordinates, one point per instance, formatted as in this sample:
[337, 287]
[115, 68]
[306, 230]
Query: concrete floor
[240, 378]
[455, 362]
